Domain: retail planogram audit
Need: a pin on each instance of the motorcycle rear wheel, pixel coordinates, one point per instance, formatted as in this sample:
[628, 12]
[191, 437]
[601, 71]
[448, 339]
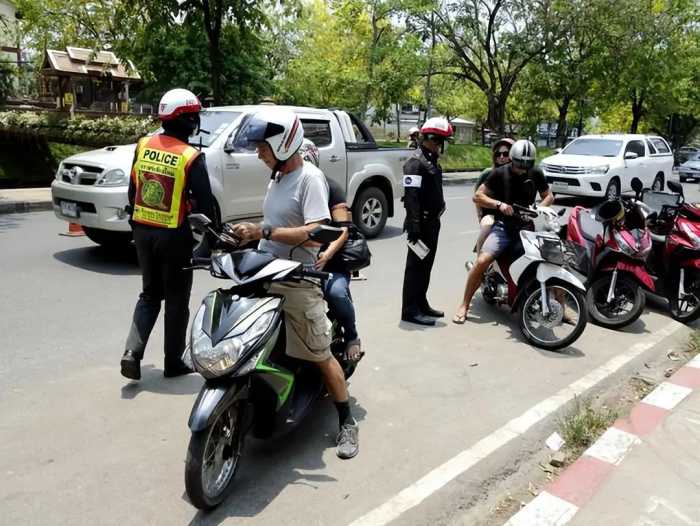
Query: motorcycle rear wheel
[534, 327]
[607, 315]
[213, 457]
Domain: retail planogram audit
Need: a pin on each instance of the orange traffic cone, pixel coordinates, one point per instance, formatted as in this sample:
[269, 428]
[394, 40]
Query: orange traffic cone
[74, 230]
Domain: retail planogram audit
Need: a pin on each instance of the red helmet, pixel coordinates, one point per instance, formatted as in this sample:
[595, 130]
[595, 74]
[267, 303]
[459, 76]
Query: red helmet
[436, 128]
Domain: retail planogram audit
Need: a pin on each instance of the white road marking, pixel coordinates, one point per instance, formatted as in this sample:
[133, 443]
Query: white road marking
[612, 446]
[667, 395]
[544, 510]
[462, 197]
[414, 494]
[658, 502]
[469, 232]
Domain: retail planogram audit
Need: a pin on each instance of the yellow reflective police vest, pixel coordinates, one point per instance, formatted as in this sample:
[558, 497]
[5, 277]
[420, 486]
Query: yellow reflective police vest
[160, 177]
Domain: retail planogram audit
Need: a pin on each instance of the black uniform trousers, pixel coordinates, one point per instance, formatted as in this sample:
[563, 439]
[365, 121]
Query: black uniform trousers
[416, 277]
[162, 254]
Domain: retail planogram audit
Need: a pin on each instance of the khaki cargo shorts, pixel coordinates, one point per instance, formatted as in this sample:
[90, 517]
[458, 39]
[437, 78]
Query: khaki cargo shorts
[308, 327]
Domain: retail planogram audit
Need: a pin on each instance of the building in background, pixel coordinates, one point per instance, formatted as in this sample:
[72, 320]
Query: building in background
[84, 79]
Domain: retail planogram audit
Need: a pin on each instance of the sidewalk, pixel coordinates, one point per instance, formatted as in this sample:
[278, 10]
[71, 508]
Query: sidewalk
[25, 200]
[643, 471]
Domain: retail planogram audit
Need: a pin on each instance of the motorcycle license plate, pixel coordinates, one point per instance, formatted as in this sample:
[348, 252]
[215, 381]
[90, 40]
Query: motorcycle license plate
[69, 209]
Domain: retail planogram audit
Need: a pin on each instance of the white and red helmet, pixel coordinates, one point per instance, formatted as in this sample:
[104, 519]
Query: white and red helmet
[178, 102]
[436, 128]
[281, 129]
[309, 151]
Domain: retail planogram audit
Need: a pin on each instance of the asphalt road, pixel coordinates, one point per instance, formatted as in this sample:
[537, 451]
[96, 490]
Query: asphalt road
[80, 445]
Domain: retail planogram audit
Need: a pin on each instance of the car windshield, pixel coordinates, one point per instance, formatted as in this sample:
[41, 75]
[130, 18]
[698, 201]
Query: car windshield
[601, 147]
[212, 124]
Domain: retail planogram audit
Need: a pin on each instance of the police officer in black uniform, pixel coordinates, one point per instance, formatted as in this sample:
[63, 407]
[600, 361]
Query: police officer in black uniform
[424, 203]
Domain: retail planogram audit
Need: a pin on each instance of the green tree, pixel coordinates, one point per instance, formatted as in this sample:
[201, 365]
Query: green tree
[493, 41]
[655, 47]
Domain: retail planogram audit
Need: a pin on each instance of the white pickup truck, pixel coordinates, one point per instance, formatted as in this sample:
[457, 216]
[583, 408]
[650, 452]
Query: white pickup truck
[604, 165]
[91, 188]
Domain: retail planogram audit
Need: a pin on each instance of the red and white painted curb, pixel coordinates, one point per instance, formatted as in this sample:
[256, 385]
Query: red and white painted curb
[560, 501]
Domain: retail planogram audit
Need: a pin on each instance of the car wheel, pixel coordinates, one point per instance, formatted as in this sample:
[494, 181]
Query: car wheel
[612, 192]
[108, 238]
[658, 184]
[370, 211]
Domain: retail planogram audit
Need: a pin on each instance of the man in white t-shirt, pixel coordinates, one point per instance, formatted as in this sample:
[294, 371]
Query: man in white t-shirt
[296, 202]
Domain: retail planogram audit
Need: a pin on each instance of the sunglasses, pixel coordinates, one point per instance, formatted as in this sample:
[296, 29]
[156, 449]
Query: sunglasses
[502, 154]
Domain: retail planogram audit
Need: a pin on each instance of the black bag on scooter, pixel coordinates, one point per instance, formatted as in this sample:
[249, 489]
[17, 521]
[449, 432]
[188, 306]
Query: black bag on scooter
[355, 253]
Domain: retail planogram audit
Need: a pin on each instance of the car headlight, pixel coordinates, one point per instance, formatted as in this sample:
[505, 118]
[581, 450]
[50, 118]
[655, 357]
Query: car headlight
[599, 170]
[220, 359]
[114, 177]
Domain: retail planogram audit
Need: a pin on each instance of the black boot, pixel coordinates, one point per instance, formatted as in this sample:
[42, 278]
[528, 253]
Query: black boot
[419, 319]
[429, 311]
[131, 365]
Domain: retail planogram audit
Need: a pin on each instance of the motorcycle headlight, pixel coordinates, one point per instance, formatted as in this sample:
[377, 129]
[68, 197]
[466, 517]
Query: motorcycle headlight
[219, 359]
[638, 247]
[599, 170]
[115, 177]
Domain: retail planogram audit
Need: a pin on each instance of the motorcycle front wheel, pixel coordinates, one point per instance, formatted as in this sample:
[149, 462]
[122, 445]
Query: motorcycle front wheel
[627, 305]
[564, 321]
[212, 459]
[686, 309]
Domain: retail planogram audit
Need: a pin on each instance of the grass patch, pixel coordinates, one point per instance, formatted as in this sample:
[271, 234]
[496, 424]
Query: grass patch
[466, 156]
[584, 424]
[693, 347]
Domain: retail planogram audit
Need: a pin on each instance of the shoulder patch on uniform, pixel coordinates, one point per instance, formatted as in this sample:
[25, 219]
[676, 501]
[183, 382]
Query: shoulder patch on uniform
[412, 181]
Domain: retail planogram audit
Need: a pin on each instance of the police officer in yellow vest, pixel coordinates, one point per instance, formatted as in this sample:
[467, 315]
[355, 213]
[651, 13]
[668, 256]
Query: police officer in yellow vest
[169, 177]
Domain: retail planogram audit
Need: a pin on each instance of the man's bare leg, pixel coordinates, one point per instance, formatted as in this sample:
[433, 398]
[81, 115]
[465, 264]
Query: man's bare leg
[483, 261]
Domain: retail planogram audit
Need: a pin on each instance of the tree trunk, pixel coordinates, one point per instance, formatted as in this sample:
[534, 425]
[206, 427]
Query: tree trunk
[428, 87]
[496, 119]
[637, 112]
[398, 123]
[561, 122]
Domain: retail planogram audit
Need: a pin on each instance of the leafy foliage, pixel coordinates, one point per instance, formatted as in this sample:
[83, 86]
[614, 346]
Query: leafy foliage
[102, 131]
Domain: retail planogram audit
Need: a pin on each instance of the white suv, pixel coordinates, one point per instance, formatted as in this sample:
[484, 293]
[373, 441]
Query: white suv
[604, 165]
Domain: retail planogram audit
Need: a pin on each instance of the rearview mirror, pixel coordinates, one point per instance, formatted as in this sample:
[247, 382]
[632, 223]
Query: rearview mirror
[325, 234]
[637, 185]
[199, 222]
[630, 156]
[675, 187]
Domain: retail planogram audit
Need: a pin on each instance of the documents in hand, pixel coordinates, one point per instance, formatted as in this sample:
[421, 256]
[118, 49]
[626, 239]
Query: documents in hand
[419, 248]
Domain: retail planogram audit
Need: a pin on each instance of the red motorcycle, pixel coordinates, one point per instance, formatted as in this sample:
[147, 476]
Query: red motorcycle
[675, 257]
[613, 243]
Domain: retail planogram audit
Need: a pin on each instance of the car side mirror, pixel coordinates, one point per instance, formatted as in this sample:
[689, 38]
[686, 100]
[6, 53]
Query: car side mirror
[558, 150]
[325, 234]
[199, 222]
[228, 145]
[630, 155]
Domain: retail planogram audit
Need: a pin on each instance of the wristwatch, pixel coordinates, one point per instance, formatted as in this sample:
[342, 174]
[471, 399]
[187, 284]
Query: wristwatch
[266, 232]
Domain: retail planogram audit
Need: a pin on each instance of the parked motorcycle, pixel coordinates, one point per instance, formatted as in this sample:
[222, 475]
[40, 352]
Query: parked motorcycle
[675, 256]
[533, 281]
[237, 343]
[616, 244]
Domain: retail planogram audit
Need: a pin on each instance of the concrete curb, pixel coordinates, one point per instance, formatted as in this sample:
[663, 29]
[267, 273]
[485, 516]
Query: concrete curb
[15, 207]
[456, 181]
[576, 486]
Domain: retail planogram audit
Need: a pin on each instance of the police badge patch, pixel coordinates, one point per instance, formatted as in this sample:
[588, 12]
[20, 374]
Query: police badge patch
[412, 181]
